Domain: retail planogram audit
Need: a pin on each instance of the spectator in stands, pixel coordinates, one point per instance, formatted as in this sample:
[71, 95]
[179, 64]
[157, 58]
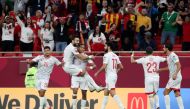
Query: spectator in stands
[153, 14]
[38, 19]
[143, 23]
[114, 36]
[169, 21]
[46, 36]
[82, 27]
[127, 38]
[90, 16]
[35, 5]
[148, 41]
[112, 17]
[186, 34]
[7, 34]
[7, 8]
[20, 5]
[26, 35]
[96, 40]
[61, 37]
[103, 10]
[180, 8]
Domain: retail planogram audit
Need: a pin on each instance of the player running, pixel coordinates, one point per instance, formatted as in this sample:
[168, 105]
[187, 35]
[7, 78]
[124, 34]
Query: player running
[112, 66]
[70, 53]
[80, 82]
[46, 63]
[175, 76]
[150, 65]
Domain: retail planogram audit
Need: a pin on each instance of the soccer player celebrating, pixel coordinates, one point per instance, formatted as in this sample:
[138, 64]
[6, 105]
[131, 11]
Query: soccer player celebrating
[175, 76]
[80, 82]
[70, 53]
[46, 63]
[150, 65]
[112, 66]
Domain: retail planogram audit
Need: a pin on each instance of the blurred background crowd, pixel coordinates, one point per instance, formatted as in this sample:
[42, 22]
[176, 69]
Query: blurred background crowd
[29, 25]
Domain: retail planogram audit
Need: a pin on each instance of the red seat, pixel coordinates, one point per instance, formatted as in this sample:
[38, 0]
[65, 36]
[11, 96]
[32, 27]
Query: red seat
[186, 32]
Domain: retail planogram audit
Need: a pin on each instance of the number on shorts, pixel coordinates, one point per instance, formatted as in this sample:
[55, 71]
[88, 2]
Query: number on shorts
[152, 67]
[114, 61]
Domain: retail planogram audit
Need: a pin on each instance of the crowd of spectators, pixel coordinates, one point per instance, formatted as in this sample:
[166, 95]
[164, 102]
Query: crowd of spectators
[29, 25]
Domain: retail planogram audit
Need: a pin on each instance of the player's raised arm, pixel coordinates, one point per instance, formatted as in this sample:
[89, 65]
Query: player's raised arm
[132, 58]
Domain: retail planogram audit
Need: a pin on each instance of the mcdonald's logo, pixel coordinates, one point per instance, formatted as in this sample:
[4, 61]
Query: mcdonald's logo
[137, 101]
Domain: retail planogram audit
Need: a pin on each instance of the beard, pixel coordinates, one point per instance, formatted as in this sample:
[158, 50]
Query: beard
[75, 45]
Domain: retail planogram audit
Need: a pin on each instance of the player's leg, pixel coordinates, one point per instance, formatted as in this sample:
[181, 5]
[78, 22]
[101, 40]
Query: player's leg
[84, 97]
[111, 87]
[156, 88]
[167, 98]
[105, 99]
[176, 87]
[149, 90]
[179, 99]
[75, 71]
[166, 93]
[74, 86]
[84, 88]
[42, 87]
[116, 98]
[91, 81]
[74, 98]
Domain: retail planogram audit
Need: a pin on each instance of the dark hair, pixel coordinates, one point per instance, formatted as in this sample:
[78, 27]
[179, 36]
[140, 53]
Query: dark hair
[74, 36]
[111, 45]
[94, 34]
[49, 24]
[169, 47]
[46, 47]
[149, 50]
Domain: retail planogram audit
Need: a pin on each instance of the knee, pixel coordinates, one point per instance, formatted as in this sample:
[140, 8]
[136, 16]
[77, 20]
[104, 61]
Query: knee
[165, 92]
[177, 93]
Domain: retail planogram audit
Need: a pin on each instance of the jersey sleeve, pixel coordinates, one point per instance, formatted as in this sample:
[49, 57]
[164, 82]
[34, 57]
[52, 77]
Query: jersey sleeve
[75, 51]
[175, 58]
[161, 59]
[118, 60]
[36, 59]
[140, 60]
[105, 59]
[57, 62]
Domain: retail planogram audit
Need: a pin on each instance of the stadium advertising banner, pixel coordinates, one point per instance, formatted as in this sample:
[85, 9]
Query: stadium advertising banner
[60, 98]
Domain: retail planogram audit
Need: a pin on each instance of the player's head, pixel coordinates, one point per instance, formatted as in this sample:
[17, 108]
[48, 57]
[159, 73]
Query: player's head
[149, 50]
[33, 64]
[47, 51]
[81, 48]
[167, 48]
[75, 41]
[109, 46]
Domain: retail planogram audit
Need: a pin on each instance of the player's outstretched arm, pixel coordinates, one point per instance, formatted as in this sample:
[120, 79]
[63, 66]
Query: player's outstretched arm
[84, 57]
[100, 70]
[132, 58]
[162, 69]
[29, 61]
